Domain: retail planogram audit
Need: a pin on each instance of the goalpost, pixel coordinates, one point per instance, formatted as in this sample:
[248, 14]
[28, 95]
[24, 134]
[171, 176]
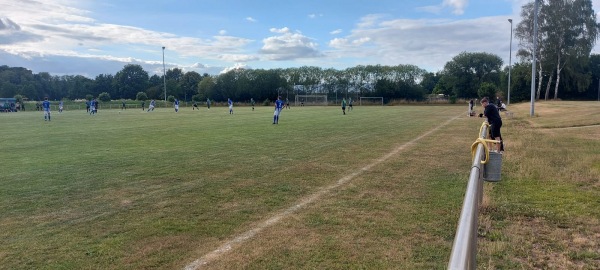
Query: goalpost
[311, 100]
[371, 101]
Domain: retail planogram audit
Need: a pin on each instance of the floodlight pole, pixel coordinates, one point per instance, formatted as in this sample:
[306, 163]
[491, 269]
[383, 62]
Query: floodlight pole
[164, 74]
[533, 59]
[509, 61]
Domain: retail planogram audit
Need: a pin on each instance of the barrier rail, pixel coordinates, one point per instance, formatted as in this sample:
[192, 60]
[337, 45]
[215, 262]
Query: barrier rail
[464, 248]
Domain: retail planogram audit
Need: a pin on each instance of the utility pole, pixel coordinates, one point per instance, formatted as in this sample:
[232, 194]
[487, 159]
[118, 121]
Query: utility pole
[533, 59]
[164, 75]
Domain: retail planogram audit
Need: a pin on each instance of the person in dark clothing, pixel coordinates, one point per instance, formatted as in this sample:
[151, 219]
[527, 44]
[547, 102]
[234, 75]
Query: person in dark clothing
[490, 111]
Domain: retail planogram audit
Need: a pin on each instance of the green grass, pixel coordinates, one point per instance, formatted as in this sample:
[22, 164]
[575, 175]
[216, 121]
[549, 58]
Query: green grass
[135, 190]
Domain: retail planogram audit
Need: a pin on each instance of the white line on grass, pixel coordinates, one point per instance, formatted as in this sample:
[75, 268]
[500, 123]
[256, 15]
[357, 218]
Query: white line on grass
[238, 240]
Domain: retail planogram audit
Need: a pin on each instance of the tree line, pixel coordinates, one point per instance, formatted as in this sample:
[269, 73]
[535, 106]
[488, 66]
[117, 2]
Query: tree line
[567, 32]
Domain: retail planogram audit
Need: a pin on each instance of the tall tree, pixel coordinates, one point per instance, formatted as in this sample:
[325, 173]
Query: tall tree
[130, 80]
[524, 33]
[189, 84]
[567, 33]
[464, 74]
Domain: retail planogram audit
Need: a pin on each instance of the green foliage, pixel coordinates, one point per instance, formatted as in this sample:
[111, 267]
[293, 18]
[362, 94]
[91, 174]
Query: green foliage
[267, 102]
[18, 98]
[197, 98]
[130, 80]
[141, 96]
[467, 71]
[429, 82]
[452, 99]
[170, 98]
[89, 97]
[520, 89]
[104, 96]
[487, 90]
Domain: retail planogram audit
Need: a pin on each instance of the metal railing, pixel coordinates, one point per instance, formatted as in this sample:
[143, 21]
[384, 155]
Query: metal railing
[464, 249]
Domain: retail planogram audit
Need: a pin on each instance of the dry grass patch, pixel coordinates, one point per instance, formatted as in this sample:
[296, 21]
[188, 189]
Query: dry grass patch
[542, 213]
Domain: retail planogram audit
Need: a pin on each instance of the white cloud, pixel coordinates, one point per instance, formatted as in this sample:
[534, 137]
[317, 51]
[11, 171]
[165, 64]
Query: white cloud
[34, 29]
[431, 9]
[338, 43]
[238, 57]
[458, 6]
[428, 43]
[234, 67]
[250, 19]
[280, 30]
[336, 31]
[289, 46]
[313, 16]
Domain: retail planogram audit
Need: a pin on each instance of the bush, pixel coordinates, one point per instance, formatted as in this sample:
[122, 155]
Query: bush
[89, 97]
[171, 98]
[452, 99]
[197, 98]
[487, 90]
[141, 96]
[19, 98]
[104, 96]
[267, 102]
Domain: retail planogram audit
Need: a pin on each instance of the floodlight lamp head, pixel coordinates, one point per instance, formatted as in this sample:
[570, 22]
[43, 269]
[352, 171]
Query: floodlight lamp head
[509, 20]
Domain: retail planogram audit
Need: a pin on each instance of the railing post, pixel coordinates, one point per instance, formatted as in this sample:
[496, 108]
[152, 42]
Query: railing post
[464, 248]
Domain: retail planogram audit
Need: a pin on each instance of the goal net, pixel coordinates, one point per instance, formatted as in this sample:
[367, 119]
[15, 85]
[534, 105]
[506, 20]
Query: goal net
[311, 100]
[371, 101]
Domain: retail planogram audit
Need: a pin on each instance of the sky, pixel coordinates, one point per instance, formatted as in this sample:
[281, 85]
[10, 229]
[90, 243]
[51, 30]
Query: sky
[92, 37]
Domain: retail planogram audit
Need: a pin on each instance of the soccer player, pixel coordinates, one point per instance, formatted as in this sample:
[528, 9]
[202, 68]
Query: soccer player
[151, 107]
[350, 104]
[344, 106]
[176, 105]
[252, 102]
[230, 103]
[60, 106]
[46, 109]
[208, 103]
[195, 106]
[92, 106]
[492, 114]
[287, 103]
[278, 107]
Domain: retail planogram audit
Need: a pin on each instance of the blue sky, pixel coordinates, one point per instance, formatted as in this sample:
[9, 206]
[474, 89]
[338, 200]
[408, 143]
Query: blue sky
[211, 36]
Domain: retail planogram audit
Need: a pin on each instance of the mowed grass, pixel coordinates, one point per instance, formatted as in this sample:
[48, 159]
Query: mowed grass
[135, 190]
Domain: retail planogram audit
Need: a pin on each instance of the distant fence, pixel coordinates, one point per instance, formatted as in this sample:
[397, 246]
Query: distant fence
[464, 249]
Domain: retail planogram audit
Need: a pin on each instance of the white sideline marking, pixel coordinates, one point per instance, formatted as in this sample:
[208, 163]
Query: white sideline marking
[238, 240]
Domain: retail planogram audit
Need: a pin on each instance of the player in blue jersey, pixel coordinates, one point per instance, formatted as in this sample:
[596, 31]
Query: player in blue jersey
[46, 109]
[230, 103]
[176, 105]
[278, 107]
[94, 106]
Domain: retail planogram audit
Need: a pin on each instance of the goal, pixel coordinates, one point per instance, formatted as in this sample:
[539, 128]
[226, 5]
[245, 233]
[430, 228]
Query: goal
[371, 101]
[311, 100]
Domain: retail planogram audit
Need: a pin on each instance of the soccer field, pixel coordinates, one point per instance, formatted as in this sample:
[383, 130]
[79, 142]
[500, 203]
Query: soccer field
[379, 187]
